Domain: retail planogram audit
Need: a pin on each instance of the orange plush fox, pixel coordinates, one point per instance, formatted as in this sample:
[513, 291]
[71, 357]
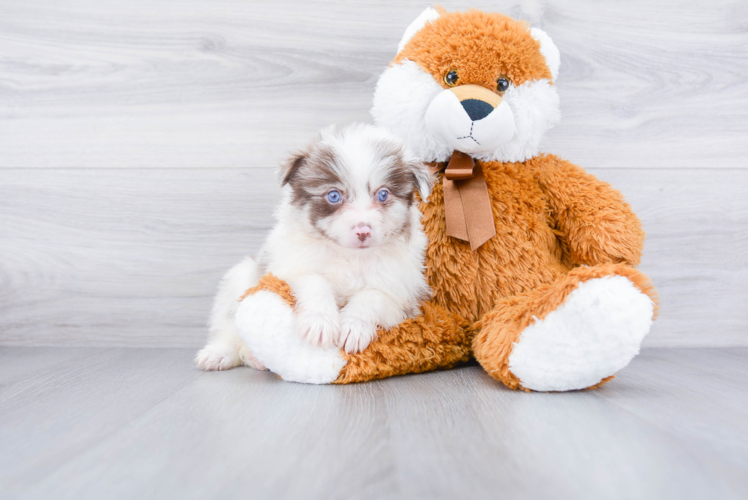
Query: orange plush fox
[530, 259]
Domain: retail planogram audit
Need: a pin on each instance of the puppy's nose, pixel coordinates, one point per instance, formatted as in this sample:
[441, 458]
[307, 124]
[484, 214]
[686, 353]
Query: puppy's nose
[476, 109]
[363, 231]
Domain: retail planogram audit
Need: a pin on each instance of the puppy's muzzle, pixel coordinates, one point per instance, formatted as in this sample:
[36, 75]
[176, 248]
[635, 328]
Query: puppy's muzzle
[478, 102]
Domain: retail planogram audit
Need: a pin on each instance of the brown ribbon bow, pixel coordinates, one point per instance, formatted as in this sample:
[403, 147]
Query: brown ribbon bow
[467, 206]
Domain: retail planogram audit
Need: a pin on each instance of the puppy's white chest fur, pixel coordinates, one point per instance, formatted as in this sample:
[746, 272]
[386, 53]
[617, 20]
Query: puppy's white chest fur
[395, 269]
[379, 269]
[347, 278]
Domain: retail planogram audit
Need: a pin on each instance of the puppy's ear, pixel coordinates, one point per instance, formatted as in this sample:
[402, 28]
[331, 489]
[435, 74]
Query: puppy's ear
[423, 177]
[290, 168]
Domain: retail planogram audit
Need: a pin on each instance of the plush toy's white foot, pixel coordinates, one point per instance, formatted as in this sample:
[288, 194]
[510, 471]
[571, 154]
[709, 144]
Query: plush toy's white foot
[592, 335]
[267, 325]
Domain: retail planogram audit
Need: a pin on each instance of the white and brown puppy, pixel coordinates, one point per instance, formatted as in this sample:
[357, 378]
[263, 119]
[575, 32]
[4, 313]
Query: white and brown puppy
[348, 241]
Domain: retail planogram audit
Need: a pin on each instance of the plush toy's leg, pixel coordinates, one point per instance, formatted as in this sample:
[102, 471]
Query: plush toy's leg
[434, 340]
[572, 334]
[265, 321]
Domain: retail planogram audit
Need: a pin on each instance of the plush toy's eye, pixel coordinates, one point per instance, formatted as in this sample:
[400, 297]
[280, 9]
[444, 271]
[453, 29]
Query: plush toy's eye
[451, 77]
[334, 196]
[502, 83]
[382, 195]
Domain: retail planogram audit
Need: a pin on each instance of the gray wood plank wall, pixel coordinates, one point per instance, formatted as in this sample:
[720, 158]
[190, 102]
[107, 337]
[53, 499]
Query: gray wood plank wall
[138, 142]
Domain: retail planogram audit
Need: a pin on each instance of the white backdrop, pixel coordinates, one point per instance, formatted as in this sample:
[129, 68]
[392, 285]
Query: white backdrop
[138, 141]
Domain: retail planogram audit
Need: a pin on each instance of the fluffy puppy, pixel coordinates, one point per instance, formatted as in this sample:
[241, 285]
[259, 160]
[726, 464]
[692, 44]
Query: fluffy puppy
[348, 241]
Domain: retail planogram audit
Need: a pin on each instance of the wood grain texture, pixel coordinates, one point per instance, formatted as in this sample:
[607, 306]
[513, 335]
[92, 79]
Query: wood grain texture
[143, 423]
[123, 257]
[137, 143]
[214, 84]
[131, 258]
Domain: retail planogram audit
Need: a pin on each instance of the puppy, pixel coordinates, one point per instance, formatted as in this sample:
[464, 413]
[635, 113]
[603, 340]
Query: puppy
[348, 240]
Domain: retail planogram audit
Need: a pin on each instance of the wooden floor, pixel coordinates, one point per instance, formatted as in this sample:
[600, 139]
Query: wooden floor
[144, 423]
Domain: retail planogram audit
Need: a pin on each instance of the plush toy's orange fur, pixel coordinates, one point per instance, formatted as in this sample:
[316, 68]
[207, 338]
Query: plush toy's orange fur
[556, 226]
[272, 283]
[490, 45]
[539, 207]
[437, 339]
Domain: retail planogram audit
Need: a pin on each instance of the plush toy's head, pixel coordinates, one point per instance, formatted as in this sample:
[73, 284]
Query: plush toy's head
[473, 82]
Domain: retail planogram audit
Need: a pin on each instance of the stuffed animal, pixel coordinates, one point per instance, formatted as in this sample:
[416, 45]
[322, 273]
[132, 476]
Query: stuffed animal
[530, 259]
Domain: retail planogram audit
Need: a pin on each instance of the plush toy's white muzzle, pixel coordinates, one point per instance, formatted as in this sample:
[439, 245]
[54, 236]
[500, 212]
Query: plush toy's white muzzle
[471, 119]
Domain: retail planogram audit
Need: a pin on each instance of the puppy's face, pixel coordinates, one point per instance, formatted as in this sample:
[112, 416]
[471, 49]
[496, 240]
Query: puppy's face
[355, 186]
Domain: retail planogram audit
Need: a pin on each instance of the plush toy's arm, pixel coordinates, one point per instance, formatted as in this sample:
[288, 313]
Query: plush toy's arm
[593, 222]
[265, 320]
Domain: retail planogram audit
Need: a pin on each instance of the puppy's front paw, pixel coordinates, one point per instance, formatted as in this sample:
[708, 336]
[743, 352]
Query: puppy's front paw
[318, 328]
[355, 334]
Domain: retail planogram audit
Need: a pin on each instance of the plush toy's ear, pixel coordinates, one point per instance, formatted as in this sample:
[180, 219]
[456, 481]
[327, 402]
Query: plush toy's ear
[548, 49]
[427, 15]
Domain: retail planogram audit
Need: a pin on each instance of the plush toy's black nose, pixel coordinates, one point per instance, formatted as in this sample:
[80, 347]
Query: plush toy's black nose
[476, 109]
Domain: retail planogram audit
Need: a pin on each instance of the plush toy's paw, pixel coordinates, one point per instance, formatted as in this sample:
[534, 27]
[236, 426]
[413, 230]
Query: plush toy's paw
[592, 335]
[267, 325]
[355, 334]
[318, 328]
[217, 357]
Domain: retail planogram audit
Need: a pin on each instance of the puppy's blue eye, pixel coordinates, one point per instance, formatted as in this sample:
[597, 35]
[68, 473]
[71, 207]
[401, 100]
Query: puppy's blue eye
[382, 195]
[333, 196]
